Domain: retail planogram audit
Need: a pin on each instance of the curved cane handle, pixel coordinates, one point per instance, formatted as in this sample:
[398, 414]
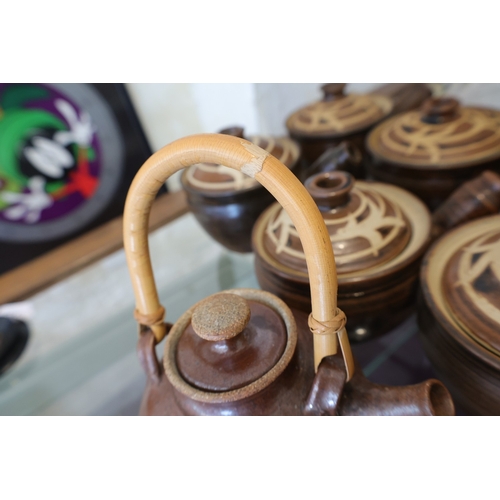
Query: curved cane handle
[248, 158]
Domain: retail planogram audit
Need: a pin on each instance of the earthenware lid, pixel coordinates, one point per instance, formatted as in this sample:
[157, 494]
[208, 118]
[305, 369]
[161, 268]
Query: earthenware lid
[230, 341]
[366, 227]
[338, 114]
[212, 179]
[441, 134]
[471, 280]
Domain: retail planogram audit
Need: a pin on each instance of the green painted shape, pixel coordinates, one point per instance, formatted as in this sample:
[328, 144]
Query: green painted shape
[15, 126]
[17, 95]
[50, 187]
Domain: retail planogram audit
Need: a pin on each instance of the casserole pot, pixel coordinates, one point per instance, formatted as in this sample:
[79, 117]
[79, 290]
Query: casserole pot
[459, 313]
[227, 202]
[432, 151]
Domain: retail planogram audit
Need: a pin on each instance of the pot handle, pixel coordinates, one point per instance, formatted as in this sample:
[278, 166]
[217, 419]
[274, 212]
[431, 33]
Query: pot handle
[326, 321]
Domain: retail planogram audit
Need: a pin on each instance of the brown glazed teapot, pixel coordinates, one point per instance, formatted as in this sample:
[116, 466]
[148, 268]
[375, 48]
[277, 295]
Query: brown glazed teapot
[432, 151]
[459, 313]
[226, 202]
[244, 352]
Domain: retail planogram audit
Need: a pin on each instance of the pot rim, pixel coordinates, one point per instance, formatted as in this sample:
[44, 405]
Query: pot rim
[434, 296]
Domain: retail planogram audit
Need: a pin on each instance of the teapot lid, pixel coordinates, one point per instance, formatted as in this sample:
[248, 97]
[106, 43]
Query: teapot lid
[211, 179]
[367, 228]
[471, 279]
[230, 345]
[338, 114]
[440, 134]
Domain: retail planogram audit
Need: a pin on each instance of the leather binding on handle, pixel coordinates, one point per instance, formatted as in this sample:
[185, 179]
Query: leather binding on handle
[326, 321]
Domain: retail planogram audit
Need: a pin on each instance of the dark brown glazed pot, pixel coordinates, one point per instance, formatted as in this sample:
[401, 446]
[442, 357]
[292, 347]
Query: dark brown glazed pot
[379, 234]
[336, 118]
[341, 117]
[244, 352]
[227, 203]
[459, 313]
[432, 151]
[200, 377]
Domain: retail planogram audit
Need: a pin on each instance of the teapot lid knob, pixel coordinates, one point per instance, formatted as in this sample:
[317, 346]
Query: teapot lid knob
[330, 189]
[221, 317]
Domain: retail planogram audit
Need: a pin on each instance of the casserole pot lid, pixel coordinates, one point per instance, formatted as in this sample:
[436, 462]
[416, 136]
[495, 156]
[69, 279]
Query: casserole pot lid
[212, 179]
[441, 134]
[471, 283]
[338, 114]
[229, 343]
[366, 228]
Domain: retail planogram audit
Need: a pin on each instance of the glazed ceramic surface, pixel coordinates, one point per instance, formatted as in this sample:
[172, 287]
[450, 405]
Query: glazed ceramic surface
[378, 232]
[430, 152]
[478, 197]
[244, 352]
[337, 117]
[227, 202]
[459, 313]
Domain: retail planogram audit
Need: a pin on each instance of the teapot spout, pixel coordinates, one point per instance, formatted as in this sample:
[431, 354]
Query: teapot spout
[329, 396]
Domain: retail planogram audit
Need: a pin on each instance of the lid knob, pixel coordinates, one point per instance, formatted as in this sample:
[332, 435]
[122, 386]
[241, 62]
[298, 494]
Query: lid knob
[330, 189]
[220, 317]
[439, 109]
[333, 91]
[234, 131]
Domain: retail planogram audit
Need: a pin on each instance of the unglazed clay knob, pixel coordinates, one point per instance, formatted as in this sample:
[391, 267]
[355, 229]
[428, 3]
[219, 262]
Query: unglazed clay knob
[221, 317]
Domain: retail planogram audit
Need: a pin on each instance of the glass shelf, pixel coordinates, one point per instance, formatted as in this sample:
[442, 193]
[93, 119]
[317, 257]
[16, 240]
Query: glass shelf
[92, 367]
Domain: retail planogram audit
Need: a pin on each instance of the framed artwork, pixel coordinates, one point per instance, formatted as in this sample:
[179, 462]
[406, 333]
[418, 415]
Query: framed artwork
[68, 153]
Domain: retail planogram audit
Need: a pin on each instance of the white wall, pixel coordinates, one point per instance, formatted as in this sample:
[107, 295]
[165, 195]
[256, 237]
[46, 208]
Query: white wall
[169, 111]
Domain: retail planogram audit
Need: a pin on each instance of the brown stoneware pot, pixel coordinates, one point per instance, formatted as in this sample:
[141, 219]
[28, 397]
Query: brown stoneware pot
[339, 117]
[432, 151]
[459, 313]
[245, 352]
[336, 118]
[379, 234]
[227, 202]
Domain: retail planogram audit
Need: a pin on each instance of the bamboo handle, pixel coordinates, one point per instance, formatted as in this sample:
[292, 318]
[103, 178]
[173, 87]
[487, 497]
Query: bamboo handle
[248, 158]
